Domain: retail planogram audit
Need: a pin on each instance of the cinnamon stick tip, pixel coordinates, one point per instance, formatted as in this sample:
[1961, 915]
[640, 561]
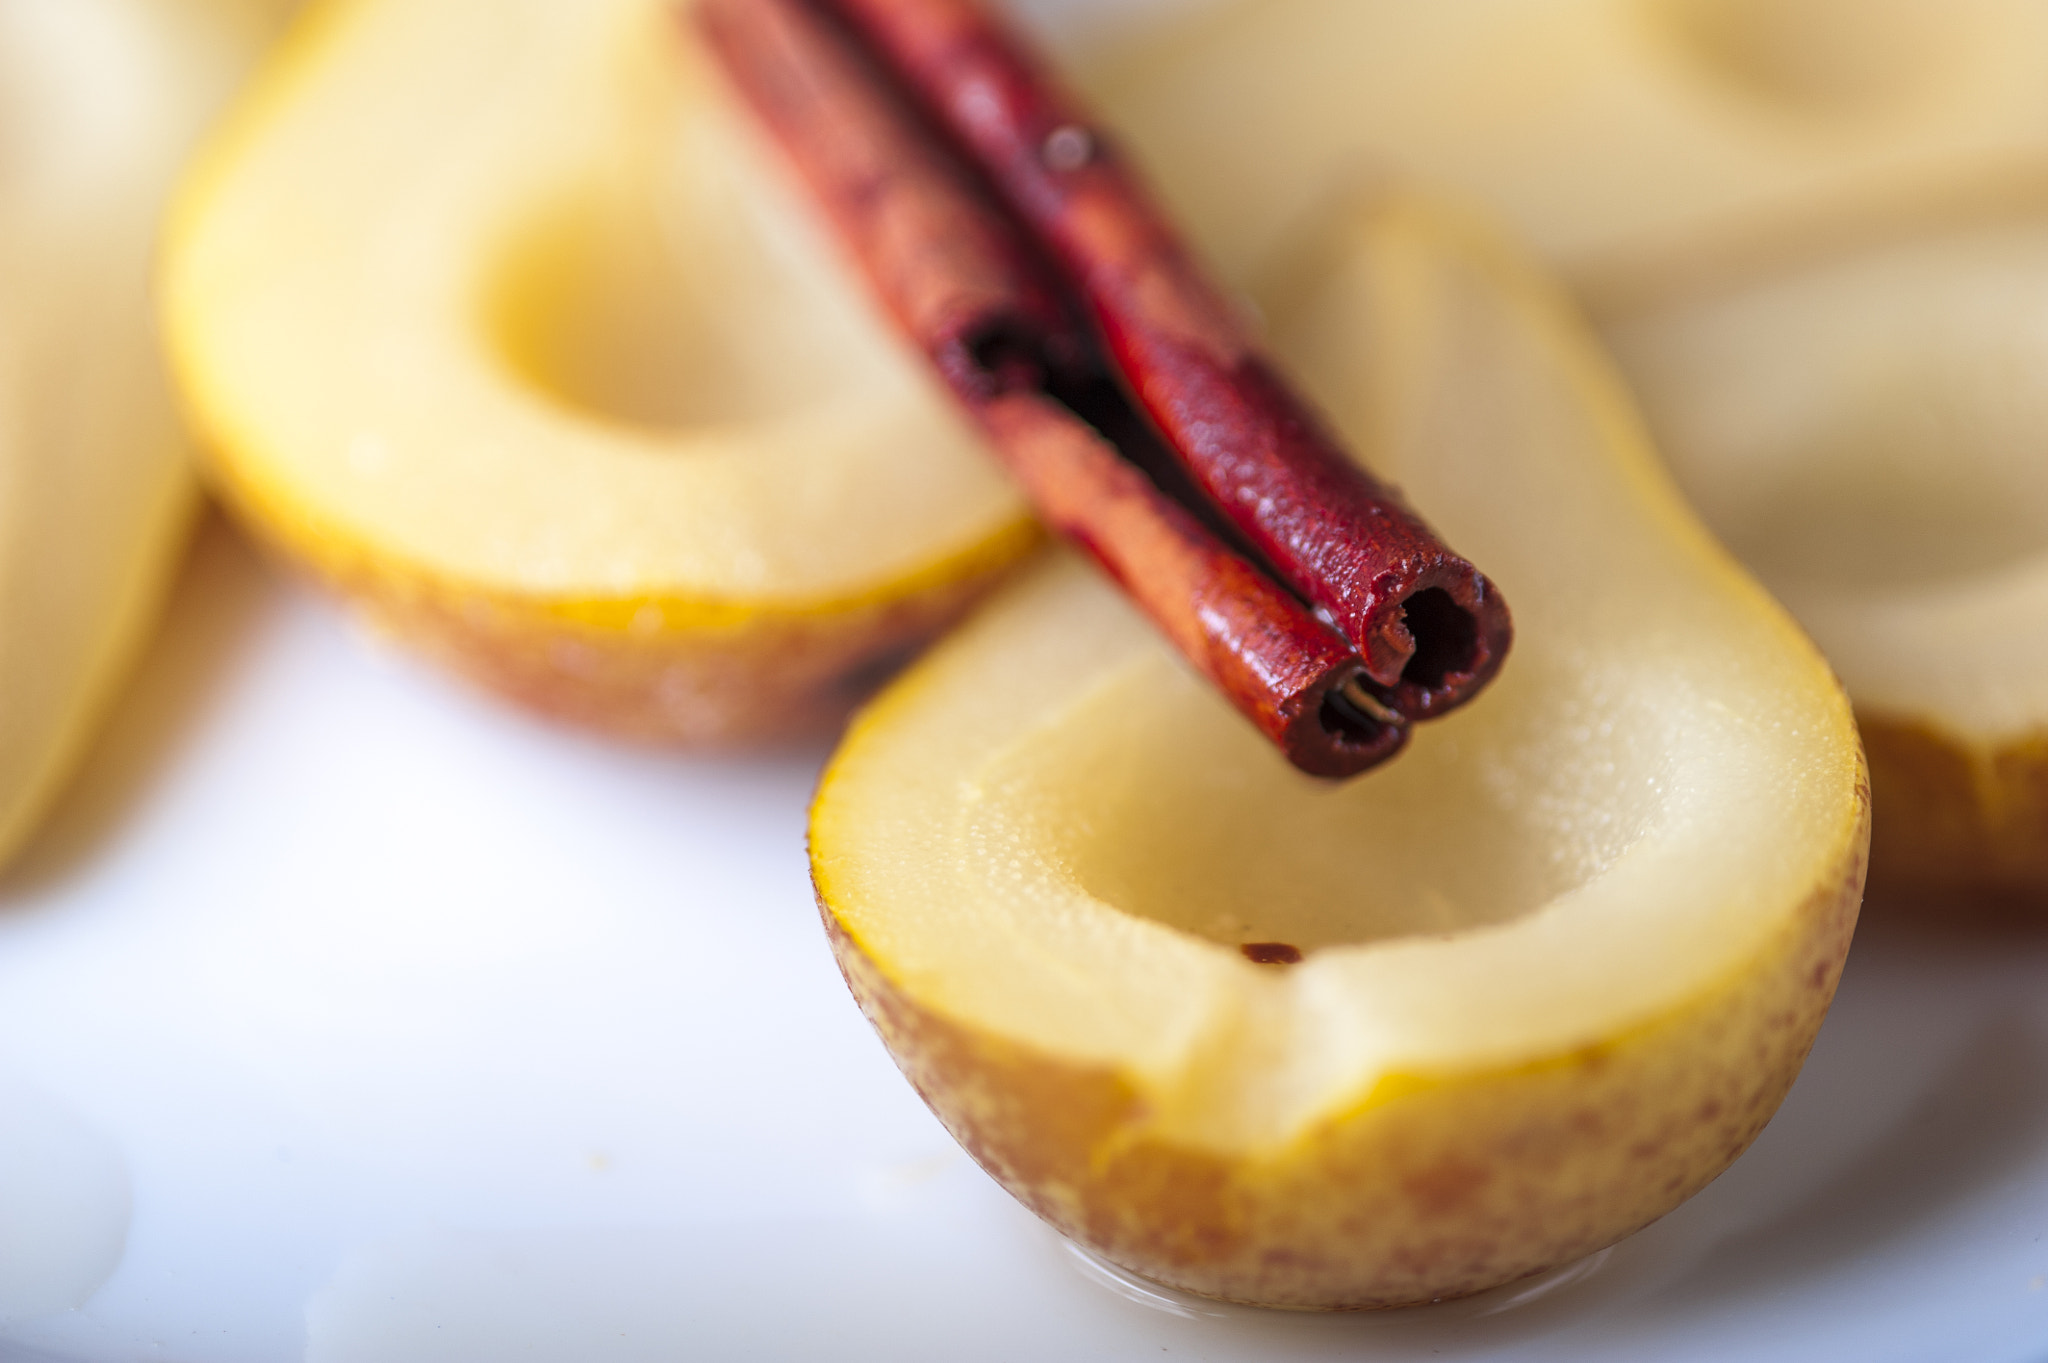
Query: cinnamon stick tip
[1437, 644]
[1341, 727]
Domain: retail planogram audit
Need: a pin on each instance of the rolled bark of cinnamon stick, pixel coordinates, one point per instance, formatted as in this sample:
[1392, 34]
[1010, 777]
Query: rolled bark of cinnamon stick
[968, 287]
[1430, 628]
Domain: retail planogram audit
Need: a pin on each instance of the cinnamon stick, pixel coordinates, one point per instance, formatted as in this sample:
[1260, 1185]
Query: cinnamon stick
[971, 286]
[1430, 628]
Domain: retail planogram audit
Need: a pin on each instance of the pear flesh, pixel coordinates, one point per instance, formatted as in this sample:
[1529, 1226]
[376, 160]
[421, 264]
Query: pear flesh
[1560, 962]
[1628, 141]
[104, 100]
[1866, 431]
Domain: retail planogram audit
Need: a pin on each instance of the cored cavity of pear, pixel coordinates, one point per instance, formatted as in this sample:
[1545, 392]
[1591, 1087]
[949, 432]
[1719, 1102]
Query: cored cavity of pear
[501, 320]
[1559, 963]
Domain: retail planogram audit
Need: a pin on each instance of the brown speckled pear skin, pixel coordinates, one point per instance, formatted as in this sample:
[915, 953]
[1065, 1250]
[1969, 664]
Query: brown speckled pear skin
[1952, 815]
[775, 678]
[1433, 1187]
[765, 675]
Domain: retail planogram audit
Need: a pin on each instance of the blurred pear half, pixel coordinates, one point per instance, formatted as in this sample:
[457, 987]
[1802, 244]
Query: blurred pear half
[495, 315]
[1866, 430]
[103, 101]
[1627, 141]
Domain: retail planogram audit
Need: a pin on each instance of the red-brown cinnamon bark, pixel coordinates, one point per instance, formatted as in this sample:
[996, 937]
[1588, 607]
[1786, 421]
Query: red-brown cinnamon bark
[1431, 630]
[967, 285]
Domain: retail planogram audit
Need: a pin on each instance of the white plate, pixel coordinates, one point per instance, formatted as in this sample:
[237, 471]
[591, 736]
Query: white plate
[345, 1016]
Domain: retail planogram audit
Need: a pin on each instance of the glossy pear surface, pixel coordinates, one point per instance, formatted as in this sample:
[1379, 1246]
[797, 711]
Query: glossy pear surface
[1559, 962]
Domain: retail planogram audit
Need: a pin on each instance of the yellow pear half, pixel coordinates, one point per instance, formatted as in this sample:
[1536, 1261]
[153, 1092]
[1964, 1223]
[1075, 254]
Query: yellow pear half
[104, 100]
[496, 315]
[1628, 141]
[1867, 431]
[1560, 962]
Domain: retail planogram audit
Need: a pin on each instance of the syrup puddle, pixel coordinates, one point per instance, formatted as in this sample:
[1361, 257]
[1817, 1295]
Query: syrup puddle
[1498, 1301]
[1518, 1295]
[1133, 1288]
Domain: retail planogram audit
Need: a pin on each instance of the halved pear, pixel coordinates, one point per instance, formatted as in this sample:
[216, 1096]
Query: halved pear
[496, 314]
[104, 100]
[1866, 431]
[1811, 228]
[1626, 140]
[1560, 962]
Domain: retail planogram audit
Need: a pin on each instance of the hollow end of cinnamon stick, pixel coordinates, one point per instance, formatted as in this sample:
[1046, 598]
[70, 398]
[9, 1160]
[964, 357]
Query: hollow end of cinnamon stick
[1438, 643]
[1341, 729]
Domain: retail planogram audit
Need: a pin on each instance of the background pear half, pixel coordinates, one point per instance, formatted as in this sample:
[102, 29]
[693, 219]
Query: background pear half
[103, 101]
[1630, 142]
[1816, 232]
[1867, 430]
[1561, 961]
[495, 314]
